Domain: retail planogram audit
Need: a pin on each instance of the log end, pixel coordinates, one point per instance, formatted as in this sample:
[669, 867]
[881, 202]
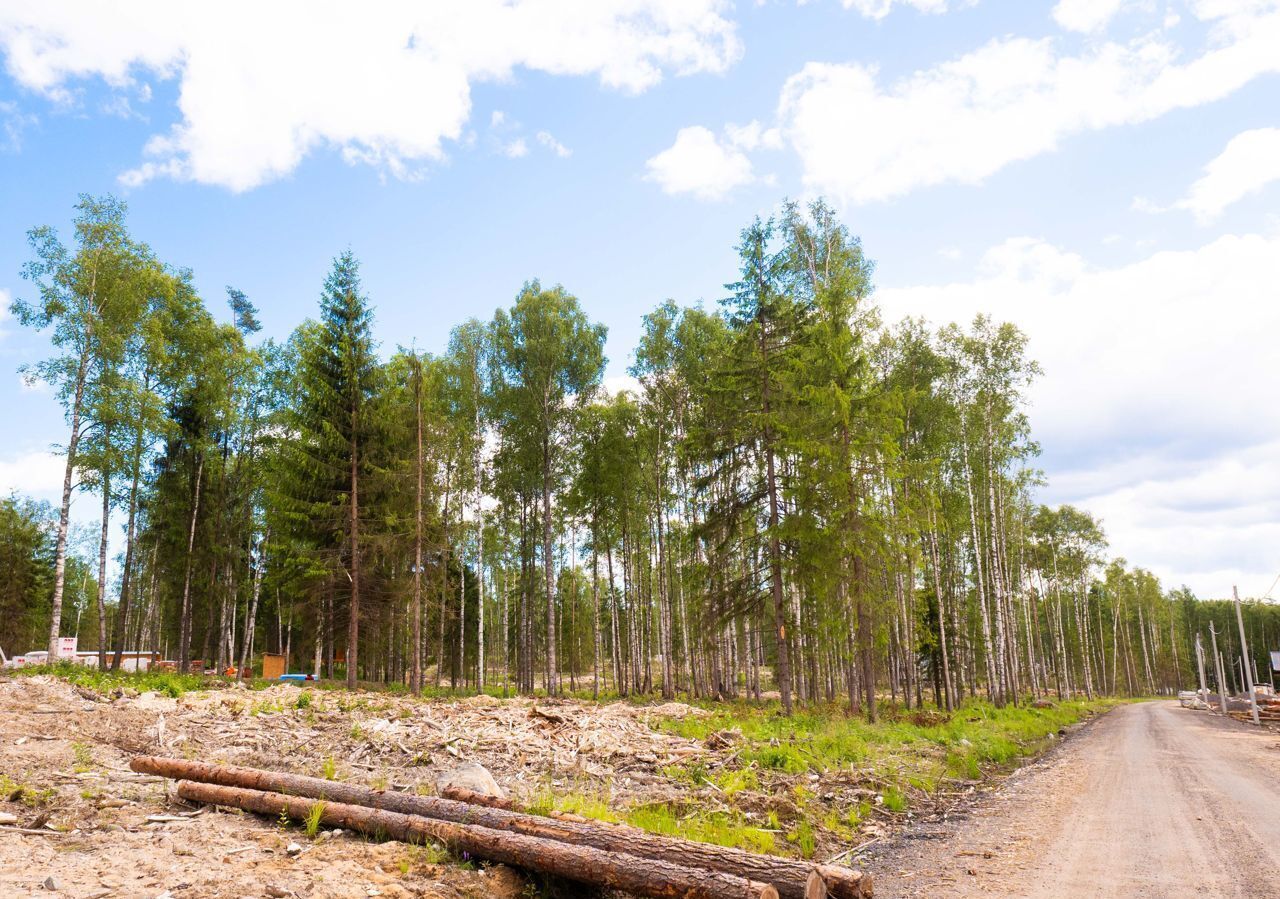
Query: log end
[846, 883]
[814, 886]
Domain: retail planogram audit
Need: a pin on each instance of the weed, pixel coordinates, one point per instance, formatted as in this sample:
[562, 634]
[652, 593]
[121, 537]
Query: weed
[84, 757]
[312, 821]
[329, 768]
[803, 838]
[894, 799]
[303, 701]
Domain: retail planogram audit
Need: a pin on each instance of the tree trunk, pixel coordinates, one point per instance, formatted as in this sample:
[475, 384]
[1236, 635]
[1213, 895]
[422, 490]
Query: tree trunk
[64, 512]
[789, 876]
[592, 866]
[126, 577]
[102, 553]
[415, 676]
[548, 566]
[353, 620]
[184, 639]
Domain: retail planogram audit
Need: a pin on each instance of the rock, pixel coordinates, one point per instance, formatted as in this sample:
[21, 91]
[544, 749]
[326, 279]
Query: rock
[6, 818]
[293, 850]
[473, 777]
[1042, 704]
[277, 892]
[52, 884]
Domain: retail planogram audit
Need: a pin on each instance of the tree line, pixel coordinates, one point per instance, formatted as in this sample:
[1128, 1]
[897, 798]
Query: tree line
[795, 497]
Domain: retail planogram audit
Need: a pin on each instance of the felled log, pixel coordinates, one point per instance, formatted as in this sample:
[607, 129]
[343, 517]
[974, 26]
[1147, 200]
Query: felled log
[613, 870]
[460, 794]
[794, 879]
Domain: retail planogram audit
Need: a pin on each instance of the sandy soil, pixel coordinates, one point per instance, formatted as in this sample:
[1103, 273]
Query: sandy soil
[64, 755]
[1150, 800]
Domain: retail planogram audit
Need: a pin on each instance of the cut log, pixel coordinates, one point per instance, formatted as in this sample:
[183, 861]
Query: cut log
[459, 794]
[613, 870]
[792, 878]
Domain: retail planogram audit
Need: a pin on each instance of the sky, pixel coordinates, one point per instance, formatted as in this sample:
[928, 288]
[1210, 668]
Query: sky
[1103, 173]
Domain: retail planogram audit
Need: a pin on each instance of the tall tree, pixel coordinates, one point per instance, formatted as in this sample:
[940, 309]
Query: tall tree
[91, 299]
[547, 356]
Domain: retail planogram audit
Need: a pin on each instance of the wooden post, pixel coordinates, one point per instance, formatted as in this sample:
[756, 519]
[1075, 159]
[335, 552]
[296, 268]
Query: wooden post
[1245, 665]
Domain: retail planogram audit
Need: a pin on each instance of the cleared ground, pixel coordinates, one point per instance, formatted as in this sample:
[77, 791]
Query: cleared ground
[1150, 800]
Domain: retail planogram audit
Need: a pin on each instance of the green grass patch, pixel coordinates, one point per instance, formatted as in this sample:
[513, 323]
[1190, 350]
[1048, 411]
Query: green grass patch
[163, 682]
[722, 828]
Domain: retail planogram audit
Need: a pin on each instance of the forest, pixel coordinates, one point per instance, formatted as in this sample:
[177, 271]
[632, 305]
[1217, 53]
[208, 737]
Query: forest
[796, 499]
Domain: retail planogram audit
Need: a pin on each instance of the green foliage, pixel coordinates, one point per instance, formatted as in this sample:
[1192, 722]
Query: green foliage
[165, 683]
[311, 822]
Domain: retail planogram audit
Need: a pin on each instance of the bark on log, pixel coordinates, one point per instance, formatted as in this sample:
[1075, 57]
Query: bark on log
[458, 794]
[792, 878]
[614, 870]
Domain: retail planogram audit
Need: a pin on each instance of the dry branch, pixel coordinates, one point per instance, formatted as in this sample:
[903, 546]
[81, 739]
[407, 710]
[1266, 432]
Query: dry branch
[794, 879]
[614, 870]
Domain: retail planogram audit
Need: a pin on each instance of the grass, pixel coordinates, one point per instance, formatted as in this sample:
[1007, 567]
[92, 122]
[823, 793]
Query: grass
[902, 758]
[908, 750]
[163, 682]
[15, 791]
[312, 822]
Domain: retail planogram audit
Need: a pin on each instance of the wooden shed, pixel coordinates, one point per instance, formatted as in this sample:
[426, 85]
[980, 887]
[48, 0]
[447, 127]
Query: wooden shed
[272, 666]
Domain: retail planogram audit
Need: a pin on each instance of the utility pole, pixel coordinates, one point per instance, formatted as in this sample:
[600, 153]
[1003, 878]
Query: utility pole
[1217, 667]
[1204, 691]
[1245, 666]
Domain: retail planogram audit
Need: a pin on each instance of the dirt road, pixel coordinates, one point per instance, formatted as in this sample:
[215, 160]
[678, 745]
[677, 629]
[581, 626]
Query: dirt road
[1151, 800]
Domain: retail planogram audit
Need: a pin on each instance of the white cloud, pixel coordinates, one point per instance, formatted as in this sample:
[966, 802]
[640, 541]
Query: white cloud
[878, 9]
[13, 122]
[860, 140]
[263, 85]
[1250, 161]
[699, 163]
[37, 474]
[547, 140]
[1208, 523]
[753, 136]
[516, 149]
[1086, 15]
[1156, 406]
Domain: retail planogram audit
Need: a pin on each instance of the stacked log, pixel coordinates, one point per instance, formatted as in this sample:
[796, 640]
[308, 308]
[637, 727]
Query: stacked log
[591, 852]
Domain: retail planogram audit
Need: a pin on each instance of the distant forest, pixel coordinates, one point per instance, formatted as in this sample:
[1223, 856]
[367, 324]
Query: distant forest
[797, 497]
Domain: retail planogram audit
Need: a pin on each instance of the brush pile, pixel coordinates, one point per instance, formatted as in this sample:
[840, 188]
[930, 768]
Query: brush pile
[612, 856]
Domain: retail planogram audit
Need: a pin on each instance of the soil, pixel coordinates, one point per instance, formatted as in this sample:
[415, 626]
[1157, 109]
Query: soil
[106, 831]
[1149, 800]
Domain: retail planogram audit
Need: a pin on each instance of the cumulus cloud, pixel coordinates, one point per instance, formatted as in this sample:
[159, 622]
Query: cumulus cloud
[701, 164]
[263, 85]
[878, 9]
[36, 473]
[1250, 161]
[1086, 15]
[516, 149]
[1155, 407]
[863, 140]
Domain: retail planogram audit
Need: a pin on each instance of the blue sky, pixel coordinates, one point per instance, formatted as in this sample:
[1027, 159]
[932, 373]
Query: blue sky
[1102, 172]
